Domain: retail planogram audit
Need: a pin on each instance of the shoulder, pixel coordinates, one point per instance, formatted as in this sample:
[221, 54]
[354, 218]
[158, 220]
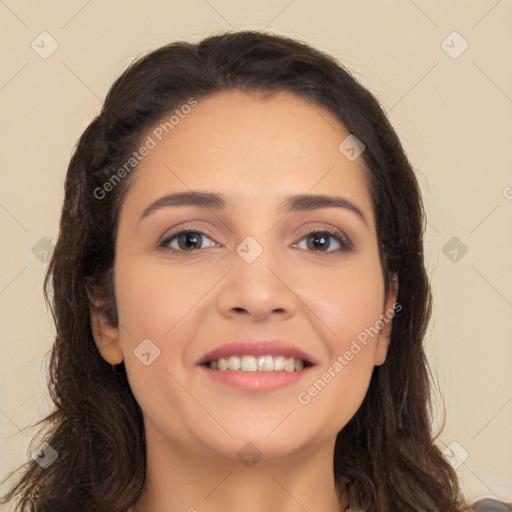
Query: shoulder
[480, 505]
[490, 505]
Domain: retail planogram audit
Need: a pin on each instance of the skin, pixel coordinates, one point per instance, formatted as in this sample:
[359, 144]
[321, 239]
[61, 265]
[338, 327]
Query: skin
[256, 151]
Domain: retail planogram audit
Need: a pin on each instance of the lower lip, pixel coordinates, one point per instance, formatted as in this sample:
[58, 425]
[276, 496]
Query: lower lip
[255, 381]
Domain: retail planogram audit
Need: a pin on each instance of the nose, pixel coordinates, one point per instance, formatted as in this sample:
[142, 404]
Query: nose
[258, 289]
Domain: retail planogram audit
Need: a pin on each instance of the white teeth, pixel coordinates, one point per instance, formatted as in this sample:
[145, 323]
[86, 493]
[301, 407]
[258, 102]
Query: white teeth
[234, 363]
[248, 364]
[222, 363]
[260, 364]
[279, 362]
[265, 364]
[289, 365]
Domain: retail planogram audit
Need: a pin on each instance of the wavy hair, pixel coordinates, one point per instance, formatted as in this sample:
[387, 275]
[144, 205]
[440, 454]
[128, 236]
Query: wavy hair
[96, 427]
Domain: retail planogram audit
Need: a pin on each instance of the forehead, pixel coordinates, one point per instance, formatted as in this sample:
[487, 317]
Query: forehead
[248, 146]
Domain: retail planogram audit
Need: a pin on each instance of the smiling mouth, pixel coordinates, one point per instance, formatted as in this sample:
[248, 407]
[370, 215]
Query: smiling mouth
[250, 363]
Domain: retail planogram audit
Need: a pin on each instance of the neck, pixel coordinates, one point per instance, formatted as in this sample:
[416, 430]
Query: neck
[183, 477]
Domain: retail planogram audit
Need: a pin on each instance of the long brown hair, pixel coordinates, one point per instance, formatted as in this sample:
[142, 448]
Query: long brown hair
[97, 428]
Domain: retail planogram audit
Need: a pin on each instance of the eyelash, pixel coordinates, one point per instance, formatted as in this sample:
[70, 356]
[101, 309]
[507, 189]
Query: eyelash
[346, 245]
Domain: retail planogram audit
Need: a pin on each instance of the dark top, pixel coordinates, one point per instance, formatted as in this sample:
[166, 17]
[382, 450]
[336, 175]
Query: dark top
[481, 505]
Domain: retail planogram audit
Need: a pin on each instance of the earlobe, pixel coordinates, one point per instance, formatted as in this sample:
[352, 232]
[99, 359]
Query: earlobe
[390, 308]
[382, 351]
[105, 334]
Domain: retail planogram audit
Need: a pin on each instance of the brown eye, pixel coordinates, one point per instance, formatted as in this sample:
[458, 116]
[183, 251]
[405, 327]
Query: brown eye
[187, 241]
[320, 240]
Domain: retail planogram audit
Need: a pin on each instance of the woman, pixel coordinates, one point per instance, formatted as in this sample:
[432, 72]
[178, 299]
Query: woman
[209, 356]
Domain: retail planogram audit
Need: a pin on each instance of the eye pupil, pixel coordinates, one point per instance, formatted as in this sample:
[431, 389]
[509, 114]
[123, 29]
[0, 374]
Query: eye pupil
[190, 242]
[194, 238]
[318, 236]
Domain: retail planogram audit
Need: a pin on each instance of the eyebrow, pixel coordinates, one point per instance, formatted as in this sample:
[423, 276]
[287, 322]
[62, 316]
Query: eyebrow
[294, 203]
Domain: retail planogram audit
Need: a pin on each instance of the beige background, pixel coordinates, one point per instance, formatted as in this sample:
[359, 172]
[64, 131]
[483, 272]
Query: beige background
[452, 115]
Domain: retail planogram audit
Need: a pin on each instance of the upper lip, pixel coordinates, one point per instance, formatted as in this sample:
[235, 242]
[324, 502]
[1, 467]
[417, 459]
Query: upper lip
[257, 348]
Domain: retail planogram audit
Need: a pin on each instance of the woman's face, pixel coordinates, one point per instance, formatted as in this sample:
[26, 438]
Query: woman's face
[256, 274]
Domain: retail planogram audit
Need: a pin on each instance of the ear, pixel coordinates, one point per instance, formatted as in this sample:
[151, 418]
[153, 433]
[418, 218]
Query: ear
[105, 333]
[387, 320]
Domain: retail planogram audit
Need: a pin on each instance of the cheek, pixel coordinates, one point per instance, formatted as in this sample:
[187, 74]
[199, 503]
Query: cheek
[350, 303]
[350, 307]
[156, 304]
[151, 299]
[162, 305]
